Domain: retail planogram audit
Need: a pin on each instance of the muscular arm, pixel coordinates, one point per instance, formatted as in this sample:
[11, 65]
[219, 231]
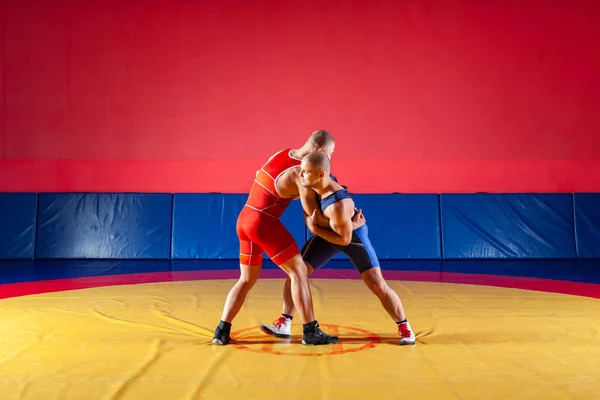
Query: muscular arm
[341, 228]
[310, 202]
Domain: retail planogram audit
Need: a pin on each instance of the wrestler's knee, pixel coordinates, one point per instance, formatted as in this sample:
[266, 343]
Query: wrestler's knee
[375, 282]
[248, 276]
[309, 268]
[247, 282]
[295, 267]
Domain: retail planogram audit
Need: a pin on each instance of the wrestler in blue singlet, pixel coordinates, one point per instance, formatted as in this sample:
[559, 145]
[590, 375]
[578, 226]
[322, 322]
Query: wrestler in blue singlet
[318, 251]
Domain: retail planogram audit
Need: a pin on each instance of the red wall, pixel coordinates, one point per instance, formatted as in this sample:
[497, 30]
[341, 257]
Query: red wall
[192, 96]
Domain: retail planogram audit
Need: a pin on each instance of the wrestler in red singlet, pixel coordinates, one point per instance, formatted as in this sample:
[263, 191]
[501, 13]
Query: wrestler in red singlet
[258, 226]
[260, 230]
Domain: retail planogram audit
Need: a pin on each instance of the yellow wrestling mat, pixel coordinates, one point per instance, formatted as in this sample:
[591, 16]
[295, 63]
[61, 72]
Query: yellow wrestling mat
[152, 341]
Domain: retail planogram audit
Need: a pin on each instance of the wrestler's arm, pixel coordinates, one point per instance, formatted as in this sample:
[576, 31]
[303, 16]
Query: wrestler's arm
[310, 203]
[341, 227]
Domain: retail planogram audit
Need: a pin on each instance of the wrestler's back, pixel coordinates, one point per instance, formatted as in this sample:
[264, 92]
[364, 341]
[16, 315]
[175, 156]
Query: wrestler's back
[264, 195]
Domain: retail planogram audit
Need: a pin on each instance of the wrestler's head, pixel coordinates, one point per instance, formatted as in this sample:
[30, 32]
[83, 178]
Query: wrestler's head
[321, 141]
[315, 166]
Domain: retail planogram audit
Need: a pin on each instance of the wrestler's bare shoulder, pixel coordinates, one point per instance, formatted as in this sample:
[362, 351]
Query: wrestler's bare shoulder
[287, 184]
[340, 209]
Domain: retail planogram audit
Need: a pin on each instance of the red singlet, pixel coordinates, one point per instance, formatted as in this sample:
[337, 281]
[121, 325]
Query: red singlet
[258, 226]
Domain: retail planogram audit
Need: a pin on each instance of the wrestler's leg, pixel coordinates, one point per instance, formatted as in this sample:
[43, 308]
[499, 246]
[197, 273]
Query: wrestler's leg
[235, 300]
[237, 295]
[284, 252]
[251, 256]
[301, 295]
[297, 272]
[389, 299]
[316, 253]
[363, 256]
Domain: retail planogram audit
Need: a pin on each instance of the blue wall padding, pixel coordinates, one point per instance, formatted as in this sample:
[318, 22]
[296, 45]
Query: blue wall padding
[104, 225]
[402, 226]
[17, 225]
[204, 225]
[138, 226]
[507, 226]
[587, 224]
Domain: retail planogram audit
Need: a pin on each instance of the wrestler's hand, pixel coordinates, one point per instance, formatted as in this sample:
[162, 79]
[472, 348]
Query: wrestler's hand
[311, 221]
[358, 219]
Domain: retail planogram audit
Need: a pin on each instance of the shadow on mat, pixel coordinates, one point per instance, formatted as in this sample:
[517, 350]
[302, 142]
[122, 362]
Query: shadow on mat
[423, 337]
[297, 339]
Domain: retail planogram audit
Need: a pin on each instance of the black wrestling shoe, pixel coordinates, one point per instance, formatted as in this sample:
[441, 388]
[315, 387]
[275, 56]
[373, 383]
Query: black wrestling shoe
[315, 337]
[221, 337]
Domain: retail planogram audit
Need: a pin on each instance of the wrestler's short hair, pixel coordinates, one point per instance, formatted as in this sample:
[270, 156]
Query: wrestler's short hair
[318, 160]
[321, 138]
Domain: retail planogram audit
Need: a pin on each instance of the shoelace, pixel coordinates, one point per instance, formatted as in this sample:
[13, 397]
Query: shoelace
[279, 321]
[404, 331]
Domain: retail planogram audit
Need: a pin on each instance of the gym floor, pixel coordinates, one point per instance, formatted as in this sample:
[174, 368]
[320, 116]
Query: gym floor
[142, 329]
